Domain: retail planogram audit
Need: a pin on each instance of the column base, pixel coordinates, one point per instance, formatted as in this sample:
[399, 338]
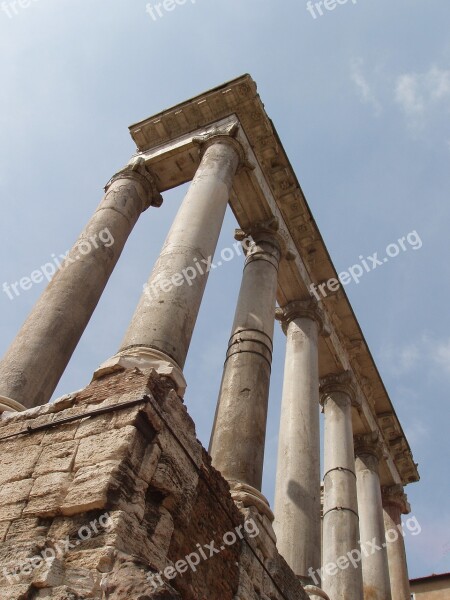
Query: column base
[316, 593]
[10, 405]
[142, 357]
[254, 505]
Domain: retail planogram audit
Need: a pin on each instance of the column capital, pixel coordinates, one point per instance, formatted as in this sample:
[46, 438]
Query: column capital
[267, 242]
[224, 134]
[394, 495]
[266, 231]
[369, 443]
[300, 309]
[137, 170]
[338, 382]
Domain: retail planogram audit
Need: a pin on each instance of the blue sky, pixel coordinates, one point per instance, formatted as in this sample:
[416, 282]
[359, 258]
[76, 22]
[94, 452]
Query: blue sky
[361, 99]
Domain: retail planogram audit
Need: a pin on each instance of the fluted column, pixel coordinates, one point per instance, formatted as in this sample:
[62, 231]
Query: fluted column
[340, 512]
[395, 503]
[375, 571]
[238, 436]
[297, 491]
[161, 328]
[38, 356]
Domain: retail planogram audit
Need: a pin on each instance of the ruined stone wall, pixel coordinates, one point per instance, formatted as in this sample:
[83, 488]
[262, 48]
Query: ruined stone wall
[100, 506]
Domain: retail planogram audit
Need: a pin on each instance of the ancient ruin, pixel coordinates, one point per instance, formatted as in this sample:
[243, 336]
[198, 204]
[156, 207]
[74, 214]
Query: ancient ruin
[107, 493]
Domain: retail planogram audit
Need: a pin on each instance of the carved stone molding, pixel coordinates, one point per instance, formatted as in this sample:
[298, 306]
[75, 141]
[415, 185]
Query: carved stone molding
[340, 382]
[394, 495]
[298, 309]
[267, 231]
[228, 134]
[369, 443]
[138, 171]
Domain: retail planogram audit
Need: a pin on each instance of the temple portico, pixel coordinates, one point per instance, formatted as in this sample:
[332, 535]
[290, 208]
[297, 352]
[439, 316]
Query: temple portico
[225, 145]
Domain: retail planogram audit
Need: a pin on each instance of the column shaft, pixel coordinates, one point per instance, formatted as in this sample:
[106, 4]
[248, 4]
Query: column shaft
[340, 519]
[375, 569]
[38, 356]
[297, 492]
[166, 314]
[394, 504]
[238, 437]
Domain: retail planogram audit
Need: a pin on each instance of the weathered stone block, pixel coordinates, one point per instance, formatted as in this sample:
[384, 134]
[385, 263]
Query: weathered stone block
[85, 581]
[8, 512]
[62, 592]
[27, 529]
[130, 535]
[90, 487]
[106, 446]
[13, 556]
[57, 457]
[64, 433]
[47, 494]
[15, 592]
[4, 527]
[94, 426]
[18, 462]
[50, 574]
[100, 559]
[12, 493]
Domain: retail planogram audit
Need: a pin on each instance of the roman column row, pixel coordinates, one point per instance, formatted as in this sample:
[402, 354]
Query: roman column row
[357, 552]
[354, 512]
[34, 363]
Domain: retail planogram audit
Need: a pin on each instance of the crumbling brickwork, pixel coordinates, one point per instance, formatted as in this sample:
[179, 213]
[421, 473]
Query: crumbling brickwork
[99, 505]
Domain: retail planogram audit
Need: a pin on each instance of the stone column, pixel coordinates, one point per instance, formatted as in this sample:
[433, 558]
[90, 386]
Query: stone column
[238, 436]
[161, 329]
[340, 513]
[395, 503]
[297, 491]
[375, 571]
[38, 356]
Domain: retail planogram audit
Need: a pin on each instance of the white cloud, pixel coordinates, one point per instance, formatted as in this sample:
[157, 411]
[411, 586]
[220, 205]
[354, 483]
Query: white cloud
[421, 95]
[441, 355]
[362, 85]
[415, 431]
[403, 359]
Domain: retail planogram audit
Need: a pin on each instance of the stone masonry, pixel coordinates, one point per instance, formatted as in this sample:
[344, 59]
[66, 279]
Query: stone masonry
[56, 481]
